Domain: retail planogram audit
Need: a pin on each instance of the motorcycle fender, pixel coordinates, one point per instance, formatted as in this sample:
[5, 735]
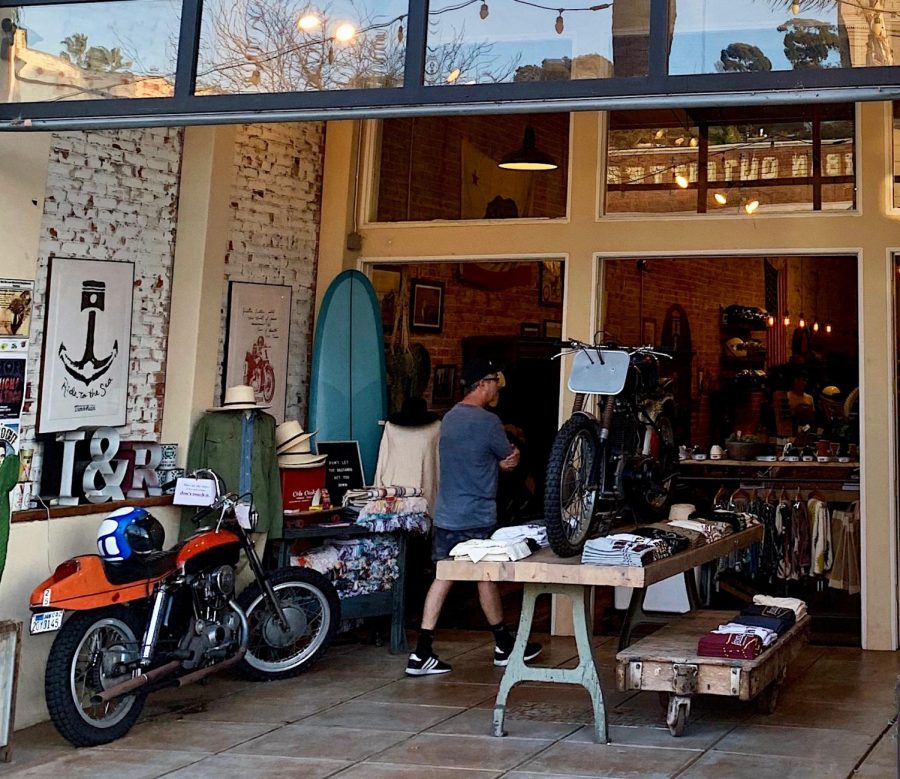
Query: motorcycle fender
[587, 414]
[80, 584]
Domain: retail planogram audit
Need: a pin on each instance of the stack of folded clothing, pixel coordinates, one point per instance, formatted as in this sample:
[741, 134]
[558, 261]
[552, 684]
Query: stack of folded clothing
[794, 604]
[355, 500]
[623, 549]
[712, 531]
[384, 515]
[737, 520]
[739, 646]
[674, 542]
[531, 532]
[490, 550]
[774, 618]
[768, 637]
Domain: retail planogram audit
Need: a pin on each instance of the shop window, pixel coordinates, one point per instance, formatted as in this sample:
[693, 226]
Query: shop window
[778, 36]
[489, 43]
[449, 168]
[88, 51]
[277, 46]
[734, 161]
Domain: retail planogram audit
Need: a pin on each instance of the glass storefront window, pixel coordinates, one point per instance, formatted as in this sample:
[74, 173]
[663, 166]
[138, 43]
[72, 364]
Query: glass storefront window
[715, 37]
[448, 168]
[88, 51]
[475, 42]
[290, 46]
[764, 160]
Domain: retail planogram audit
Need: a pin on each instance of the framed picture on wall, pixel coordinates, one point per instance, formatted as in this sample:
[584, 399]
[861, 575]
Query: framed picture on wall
[257, 335]
[443, 390]
[551, 287]
[552, 328]
[426, 306]
[87, 344]
[530, 330]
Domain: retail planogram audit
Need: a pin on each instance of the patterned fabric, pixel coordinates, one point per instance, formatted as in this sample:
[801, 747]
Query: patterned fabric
[621, 549]
[358, 566]
[362, 496]
[389, 523]
[382, 506]
[672, 541]
[822, 558]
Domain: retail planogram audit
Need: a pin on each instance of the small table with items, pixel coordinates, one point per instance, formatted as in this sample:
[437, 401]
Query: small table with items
[544, 572]
[329, 523]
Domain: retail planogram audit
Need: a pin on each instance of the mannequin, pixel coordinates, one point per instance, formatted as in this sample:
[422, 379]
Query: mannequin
[237, 441]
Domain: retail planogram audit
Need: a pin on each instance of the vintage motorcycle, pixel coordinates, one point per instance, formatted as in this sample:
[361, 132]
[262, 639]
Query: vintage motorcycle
[158, 619]
[616, 450]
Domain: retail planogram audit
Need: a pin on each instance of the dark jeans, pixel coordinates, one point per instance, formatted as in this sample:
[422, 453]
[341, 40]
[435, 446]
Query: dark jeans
[444, 540]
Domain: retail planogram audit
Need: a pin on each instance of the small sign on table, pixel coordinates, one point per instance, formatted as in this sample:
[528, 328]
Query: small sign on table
[344, 469]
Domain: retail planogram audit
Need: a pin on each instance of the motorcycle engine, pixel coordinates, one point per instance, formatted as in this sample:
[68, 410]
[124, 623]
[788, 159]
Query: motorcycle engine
[215, 629]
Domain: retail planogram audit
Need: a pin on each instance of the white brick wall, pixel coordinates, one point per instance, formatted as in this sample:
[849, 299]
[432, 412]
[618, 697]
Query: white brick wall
[276, 206]
[113, 196]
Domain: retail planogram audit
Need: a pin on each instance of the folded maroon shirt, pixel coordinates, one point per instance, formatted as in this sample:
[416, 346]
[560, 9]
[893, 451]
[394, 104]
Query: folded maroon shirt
[734, 645]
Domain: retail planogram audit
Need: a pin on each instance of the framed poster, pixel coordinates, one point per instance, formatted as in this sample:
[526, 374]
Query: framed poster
[15, 308]
[426, 306]
[87, 340]
[257, 334]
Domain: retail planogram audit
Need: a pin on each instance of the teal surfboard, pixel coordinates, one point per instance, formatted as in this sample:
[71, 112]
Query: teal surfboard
[348, 384]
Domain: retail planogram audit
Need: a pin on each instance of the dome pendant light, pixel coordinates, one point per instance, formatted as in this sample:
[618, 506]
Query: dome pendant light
[528, 157]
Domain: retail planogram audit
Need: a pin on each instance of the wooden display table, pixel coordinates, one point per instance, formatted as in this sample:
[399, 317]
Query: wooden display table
[544, 572]
[668, 663]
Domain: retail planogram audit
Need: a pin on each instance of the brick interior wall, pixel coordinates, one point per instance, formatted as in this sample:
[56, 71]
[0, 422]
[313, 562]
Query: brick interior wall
[703, 285]
[470, 311]
[276, 207]
[113, 196]
[421, 162]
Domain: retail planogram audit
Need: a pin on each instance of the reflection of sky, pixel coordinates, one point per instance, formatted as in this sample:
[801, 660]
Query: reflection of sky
[145, 30]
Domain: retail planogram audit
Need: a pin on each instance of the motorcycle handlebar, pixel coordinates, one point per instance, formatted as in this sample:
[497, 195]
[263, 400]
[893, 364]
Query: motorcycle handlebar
[572, 345]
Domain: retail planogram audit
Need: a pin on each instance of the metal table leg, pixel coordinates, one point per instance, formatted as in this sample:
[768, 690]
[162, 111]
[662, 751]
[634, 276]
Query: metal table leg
[398, 602]
[585, 673]
[636, 615]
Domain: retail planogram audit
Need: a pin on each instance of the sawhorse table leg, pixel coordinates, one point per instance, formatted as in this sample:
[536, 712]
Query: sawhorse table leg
[585, 673]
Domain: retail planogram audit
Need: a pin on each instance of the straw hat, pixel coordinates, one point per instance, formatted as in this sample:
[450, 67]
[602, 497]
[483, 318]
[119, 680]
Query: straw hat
[301, 460]
[239, 398]
[291, 438]
[681, 510]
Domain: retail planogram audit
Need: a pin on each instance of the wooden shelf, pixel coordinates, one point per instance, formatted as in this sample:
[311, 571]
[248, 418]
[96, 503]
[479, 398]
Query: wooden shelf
[763, 464]
[86, 509]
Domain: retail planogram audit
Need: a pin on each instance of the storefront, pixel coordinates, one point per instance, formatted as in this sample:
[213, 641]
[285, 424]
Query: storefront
[296, 203]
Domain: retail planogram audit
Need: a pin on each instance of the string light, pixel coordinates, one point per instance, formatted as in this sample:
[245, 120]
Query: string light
[400, 33]
[485, 11]
[815, 327]
[770, 321]
[694, 142]
[720, 199]
[828, 328]
[681, 181]
[751, 207]
[795, 9]
[308, 23]
[344, 32]
[560, 24]
[453, 75]
[787, 319]
[801, 323]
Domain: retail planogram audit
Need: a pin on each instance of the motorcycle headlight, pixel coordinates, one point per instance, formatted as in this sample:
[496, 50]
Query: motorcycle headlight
[223, 579]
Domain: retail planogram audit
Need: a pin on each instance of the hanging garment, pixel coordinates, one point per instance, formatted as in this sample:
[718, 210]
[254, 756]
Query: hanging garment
[784, 524]
[845, 574]
[409, 456]
[820, 519]
[802, 537]
[9, 474]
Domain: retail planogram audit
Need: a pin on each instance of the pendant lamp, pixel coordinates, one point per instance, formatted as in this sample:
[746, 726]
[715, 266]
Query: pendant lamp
[528, 157]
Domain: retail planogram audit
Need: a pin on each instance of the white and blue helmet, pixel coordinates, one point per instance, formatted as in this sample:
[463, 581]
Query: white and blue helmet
[127, 532]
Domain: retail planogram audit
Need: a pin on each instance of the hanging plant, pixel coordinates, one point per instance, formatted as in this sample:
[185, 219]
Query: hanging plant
[408, 364]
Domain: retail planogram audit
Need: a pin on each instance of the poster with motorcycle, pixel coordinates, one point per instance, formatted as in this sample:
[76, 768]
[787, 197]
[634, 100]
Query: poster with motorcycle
[87, 339]
[256, 341]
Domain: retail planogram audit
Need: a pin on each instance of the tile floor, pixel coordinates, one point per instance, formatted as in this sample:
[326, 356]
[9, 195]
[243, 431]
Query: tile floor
[355, 716]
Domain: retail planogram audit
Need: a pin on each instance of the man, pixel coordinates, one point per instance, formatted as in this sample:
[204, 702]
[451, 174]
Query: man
[473, 449]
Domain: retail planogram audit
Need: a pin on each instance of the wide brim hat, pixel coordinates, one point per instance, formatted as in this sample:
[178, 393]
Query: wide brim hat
[681, 510]
[241, 397]
[291, 438]
[301, 460]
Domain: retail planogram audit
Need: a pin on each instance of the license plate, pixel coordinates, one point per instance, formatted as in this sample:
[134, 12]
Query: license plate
[46, 621]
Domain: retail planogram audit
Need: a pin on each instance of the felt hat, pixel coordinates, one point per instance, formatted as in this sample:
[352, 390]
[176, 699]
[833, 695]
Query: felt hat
[290, 437]
[303, 460]
[414, 413]
[241, 397]
[681, 510]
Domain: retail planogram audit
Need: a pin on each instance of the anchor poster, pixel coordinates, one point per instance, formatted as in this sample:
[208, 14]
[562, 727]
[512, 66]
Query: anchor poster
[84, 376]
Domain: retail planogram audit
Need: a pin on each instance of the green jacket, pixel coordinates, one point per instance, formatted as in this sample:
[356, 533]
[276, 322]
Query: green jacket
[9, 475]
[216, 443]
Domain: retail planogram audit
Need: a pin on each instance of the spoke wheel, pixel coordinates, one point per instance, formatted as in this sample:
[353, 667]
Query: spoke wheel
[312, 612]
[657, 486]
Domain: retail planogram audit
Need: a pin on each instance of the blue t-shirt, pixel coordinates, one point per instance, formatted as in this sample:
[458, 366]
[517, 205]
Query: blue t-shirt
[472, 444]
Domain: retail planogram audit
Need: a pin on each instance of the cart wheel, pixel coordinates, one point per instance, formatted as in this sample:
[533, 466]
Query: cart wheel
[767, 700]
[678, 712]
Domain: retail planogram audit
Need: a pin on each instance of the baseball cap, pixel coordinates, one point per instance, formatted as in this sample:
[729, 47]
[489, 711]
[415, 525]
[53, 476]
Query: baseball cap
[475, 370]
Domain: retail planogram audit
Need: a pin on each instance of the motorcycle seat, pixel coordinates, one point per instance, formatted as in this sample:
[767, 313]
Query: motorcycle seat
[149, 566]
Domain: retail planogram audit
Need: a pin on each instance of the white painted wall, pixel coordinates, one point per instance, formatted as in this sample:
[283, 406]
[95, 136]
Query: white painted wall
[23, 176]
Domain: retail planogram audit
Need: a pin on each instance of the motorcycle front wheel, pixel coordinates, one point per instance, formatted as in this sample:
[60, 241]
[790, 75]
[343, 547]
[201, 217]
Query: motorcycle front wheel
[82, 663]
[571, 487]
[313, 612]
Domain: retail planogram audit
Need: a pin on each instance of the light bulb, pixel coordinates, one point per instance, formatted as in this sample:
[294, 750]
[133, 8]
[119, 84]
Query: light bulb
[679, 140]
[787, 319]
[801, 323]
[681, 181]
[815, 327]
[751, 206]
[720, 198]
[795, 9]
[400, 33]
[345, 32]
[694, 142]
[560, 25]
[308, 23]
[485, 11]
[453, 75]
[828, 328]
[770, 321]
[659, 134]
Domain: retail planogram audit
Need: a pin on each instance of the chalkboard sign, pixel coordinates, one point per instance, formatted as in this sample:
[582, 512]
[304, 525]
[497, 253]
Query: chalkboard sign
[344, 469]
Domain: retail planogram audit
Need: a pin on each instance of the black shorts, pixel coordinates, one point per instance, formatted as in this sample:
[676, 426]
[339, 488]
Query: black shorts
[443, 541]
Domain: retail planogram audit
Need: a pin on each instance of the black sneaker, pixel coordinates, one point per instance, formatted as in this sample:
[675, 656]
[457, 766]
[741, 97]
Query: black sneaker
[532, 650]
[418, 666]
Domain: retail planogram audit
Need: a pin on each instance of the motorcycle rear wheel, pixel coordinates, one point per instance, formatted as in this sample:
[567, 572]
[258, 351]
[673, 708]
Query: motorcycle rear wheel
[570, 489]
[313, 612]
[655, 492]
[80, 665]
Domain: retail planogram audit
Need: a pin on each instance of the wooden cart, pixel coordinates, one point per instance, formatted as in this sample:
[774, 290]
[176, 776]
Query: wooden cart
[667, 662]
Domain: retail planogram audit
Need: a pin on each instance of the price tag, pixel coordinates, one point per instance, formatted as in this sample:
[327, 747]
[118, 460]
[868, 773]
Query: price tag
[194, 492]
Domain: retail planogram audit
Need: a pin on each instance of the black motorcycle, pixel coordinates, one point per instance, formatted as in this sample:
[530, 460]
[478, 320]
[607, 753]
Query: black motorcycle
[616, 450]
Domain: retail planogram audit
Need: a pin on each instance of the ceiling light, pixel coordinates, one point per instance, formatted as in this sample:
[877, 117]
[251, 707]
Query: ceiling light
[720, 198]
[308, 23]
[751, 206]
[453, 75]
[529, 157]
[344, 32]
[681, 181]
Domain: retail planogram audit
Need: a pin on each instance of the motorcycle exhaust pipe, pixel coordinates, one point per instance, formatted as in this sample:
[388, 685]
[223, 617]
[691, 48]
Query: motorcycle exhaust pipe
[135, 682]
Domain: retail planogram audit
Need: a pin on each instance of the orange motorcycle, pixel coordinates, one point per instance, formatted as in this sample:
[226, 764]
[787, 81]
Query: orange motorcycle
[134, 619]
